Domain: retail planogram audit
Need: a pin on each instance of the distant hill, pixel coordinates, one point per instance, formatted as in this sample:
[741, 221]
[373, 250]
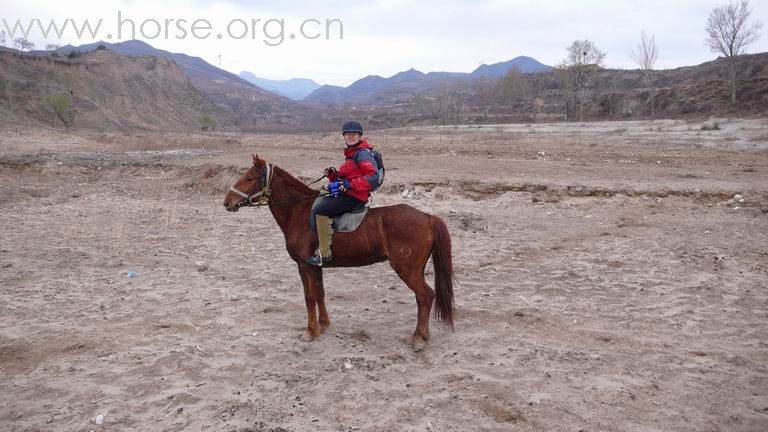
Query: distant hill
[108, 91]
[372, 89]
[329, 94]
[686, 92]
[523, 64]
[250, 106]
[295, 88]
[201, 73]
[377, 90]
[131, 85]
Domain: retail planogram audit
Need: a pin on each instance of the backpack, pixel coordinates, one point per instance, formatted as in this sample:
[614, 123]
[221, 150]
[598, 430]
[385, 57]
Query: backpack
[379, 166]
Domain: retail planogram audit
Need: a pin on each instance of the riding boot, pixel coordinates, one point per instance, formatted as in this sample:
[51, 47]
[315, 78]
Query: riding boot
[324, 238]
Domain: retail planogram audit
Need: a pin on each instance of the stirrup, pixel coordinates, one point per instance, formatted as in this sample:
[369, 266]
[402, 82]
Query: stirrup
[316, 260]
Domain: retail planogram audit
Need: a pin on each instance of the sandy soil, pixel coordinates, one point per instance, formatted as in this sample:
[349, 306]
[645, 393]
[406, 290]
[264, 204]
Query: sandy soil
[605, 283]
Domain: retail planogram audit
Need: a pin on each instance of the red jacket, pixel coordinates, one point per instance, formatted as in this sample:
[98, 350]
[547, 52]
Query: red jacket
[360, 170]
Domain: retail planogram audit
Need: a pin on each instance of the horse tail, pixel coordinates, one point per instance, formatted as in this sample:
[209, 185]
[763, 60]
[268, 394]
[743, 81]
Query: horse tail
[443, 262]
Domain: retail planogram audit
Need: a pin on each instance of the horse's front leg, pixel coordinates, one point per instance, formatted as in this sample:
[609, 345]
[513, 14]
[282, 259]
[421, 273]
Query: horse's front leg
[325, 321]
[314, 297]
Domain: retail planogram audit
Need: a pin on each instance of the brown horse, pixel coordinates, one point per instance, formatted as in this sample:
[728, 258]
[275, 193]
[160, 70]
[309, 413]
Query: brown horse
[401, 234]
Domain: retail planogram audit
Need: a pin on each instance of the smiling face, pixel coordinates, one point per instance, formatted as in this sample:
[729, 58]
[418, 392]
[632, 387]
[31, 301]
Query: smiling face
[249, 184]
[352, 138]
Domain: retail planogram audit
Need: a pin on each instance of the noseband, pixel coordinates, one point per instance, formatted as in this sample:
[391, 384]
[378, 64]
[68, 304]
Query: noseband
[263, 196]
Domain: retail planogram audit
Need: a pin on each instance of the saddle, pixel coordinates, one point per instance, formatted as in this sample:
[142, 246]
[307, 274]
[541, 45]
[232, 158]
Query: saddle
[350, 220]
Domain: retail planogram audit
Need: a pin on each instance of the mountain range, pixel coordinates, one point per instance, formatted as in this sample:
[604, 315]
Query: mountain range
[203, 74]
[295, 88]
[132, 85]
[367, 89]
[242, 102]
[105, 90]
[374, 89]
[247, 95]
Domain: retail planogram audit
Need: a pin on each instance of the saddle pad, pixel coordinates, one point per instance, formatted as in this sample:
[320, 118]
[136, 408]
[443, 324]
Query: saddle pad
[349, 221]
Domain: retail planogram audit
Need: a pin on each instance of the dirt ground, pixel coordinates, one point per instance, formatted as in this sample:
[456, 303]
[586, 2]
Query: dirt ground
[605, 282]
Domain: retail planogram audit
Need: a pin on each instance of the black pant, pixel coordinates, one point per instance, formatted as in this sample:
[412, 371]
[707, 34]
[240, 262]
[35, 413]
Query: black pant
[332, 207]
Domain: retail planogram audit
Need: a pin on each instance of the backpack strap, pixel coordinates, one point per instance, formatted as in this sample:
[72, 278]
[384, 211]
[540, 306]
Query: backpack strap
[355, 157]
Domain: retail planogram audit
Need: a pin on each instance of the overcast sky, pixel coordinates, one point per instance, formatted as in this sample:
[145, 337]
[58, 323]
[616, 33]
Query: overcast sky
[387, 36]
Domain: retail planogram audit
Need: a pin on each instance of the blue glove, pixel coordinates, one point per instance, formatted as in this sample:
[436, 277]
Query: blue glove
[333, 188]
[346, 185]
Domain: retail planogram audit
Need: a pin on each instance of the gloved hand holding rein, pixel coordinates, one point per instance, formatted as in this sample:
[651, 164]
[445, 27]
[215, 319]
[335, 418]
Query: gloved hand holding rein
[331, 173]
[336, 187]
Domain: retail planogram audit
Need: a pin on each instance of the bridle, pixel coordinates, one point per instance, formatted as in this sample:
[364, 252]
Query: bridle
[264, 195]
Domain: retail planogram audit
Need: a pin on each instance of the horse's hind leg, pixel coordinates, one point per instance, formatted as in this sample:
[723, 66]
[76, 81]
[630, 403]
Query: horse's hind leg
[413, 276]
[314, 296]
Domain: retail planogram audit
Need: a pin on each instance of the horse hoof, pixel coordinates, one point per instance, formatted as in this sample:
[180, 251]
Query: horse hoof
[416, 342]
[308, 336]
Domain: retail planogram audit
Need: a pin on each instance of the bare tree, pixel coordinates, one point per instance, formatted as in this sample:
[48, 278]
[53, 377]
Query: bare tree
[645, 57]
[729, 34]
[484, 89]
[610, 101]
[513, 90]
[459, 92]
[537, 106]
[566, 83]
[583, 58]
[22, 44]
[52, 46]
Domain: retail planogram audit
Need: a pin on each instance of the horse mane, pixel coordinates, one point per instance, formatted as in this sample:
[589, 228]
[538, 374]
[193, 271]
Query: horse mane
[293, 182]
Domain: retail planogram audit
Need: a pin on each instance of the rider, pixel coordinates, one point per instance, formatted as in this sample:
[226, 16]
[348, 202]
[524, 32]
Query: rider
[351, 184]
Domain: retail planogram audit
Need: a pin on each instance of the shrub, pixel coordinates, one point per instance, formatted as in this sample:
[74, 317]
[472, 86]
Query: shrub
[61, 104]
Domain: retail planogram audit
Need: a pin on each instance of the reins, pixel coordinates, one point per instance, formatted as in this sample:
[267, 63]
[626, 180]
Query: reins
[310, 184]
[268, 203]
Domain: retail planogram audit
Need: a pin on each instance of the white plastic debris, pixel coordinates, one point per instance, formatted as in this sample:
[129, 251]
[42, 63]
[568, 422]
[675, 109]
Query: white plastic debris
[348, 364]
[100, 419]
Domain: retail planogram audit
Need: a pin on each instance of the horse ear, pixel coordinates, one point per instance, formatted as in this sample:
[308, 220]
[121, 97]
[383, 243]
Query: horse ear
[255, 159]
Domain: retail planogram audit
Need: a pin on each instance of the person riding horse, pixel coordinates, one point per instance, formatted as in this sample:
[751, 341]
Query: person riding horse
[350, 186]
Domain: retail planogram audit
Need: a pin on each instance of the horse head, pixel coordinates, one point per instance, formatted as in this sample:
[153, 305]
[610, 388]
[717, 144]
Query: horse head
[251, 185]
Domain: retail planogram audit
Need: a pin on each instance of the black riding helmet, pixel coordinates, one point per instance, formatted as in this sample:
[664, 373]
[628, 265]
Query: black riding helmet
[352, 126]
